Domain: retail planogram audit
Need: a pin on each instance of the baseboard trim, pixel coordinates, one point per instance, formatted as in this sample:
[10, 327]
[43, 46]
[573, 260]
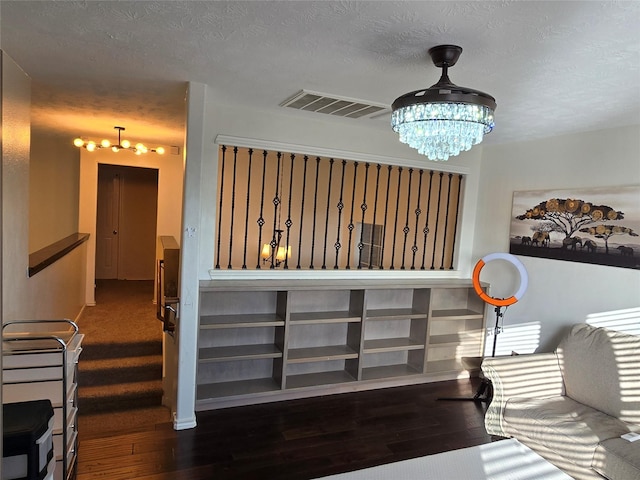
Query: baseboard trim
[183, 424]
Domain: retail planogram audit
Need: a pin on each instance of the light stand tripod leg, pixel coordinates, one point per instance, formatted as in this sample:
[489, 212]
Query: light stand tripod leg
[485, 390]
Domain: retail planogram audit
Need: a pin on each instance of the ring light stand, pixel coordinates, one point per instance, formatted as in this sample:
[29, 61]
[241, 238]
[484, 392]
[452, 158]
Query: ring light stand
[499, 302]
[485, 389]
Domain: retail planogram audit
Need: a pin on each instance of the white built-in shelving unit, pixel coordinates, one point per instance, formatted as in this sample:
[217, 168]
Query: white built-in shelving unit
[268, 340]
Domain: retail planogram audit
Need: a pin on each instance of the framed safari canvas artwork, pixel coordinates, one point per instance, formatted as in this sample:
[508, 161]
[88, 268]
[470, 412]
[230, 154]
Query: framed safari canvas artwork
[593, 225]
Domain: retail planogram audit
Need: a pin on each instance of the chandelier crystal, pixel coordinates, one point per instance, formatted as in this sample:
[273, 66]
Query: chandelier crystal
[138, 148]
[444, 119]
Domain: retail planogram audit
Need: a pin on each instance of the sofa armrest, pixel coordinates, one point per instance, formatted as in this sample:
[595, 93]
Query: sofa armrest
[536, 375]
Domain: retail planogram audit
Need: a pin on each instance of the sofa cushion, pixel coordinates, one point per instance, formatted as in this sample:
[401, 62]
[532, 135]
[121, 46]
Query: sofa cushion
[601, 369]
[617, 459]
[562, 425]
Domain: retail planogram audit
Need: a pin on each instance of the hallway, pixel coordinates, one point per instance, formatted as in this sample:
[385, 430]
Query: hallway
[120, 368]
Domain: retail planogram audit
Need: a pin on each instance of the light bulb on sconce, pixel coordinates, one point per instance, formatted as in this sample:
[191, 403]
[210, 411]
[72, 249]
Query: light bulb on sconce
[280, 255]
[274, 253]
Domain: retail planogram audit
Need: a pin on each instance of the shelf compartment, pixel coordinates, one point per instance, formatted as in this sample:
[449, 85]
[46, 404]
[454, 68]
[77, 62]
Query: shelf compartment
[238, 352]
[392, 363]
[308, 318]
[446, 357]
[456, 302]
[397, 304]
[395, 314]
[326, 353]
[460, 325]
[245, 369]
[308, 336]
[444, 366]
[453, 339]
[391, 345]
[235, 388]
[241, 321]
[319, 378]
[387, 371]
[456, 314]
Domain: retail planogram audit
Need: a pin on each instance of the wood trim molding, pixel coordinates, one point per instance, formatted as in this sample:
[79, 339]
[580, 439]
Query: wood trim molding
[50, 254]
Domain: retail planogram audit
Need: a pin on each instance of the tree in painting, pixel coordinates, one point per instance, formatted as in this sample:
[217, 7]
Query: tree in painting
[569, 215]
[606, 231]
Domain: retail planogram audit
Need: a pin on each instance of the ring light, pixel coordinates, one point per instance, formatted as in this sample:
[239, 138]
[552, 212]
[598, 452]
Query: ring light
[500, 302]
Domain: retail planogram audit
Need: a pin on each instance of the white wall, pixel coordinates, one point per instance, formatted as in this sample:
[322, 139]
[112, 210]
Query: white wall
[16, 135]
[58, 290]
[560, 293]
[54, 178]
[170, 172]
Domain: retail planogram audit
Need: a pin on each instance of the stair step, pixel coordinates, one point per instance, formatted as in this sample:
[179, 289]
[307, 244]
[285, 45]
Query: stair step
[95, 351]
[121, 396]
[119, 370]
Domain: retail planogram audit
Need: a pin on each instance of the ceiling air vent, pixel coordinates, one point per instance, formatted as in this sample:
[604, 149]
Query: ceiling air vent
[333, 105]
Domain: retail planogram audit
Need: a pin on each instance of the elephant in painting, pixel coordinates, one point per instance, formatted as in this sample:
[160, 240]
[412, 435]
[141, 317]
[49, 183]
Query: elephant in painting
[571, 242]
[590, 245]
[625, 251]
[526, 241]
[541, 238]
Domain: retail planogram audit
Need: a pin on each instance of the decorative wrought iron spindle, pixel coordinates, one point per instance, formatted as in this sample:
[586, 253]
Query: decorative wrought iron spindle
[277, 233]
[326, 218]
[406, 228]
[304, 187]
[446, 223]
[414, 247]
[395, 222]
[288, 223]
[339, 206]
[315, 212]
[246, 213]
[260, 220]
[425, 230]
[435, 235]
[224, 151]
[351, 225]
[233, 205]
[375, 214]
[455, 225]
[363, 207]
[386, 211]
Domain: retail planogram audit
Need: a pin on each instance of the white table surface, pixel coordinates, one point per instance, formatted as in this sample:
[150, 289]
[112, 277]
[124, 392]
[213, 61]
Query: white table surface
[502, 460]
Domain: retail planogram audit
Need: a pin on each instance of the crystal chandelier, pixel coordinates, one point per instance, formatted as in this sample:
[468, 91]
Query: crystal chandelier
[444, 119]
[138, 148]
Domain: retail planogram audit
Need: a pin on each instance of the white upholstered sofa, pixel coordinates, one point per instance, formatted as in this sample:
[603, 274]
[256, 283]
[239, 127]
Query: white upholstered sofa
[573, 405]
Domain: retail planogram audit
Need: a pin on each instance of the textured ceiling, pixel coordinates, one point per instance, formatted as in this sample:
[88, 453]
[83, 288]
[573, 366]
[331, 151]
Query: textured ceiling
[553, 67]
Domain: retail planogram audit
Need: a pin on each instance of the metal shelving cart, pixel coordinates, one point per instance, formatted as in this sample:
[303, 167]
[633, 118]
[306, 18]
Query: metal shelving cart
[40, 359]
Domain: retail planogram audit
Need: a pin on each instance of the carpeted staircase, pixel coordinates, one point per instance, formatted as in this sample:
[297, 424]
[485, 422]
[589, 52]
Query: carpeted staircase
[120, 367]
[120, 376]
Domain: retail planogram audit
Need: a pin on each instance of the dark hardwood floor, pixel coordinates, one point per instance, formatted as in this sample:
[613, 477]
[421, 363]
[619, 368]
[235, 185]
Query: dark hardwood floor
[293, 440]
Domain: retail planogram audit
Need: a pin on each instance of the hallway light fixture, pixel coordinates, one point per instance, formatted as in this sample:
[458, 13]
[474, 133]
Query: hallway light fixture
[272, 248]
[138, 148]
[444, 119]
